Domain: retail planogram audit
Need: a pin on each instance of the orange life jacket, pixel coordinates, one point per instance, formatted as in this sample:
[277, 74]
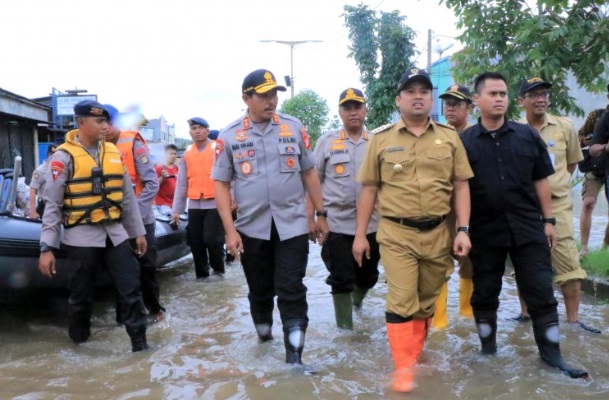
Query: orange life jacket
[198, 166]
[125, 144]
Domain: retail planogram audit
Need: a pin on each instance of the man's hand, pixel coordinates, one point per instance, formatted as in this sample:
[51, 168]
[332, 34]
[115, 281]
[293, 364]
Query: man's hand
[233, 204]
[312, 229]
[46, 264]
[142, 246]
[551, 235]
[175, 219]
[322, 230]
[34, 215]
[234, 244]
[360, 247]
[462, 244]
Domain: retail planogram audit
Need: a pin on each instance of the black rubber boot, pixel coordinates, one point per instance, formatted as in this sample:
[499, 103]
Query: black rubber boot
[138, 338]
[79, 326]
[293, 339]
[547, 336]
[486, 324]
[265, 332]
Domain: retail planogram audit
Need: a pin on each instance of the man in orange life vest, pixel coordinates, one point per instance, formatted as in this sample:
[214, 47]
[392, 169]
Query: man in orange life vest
[136, 157]
[205, 230]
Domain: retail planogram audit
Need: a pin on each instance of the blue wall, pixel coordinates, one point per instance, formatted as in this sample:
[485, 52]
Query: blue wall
[441, 77]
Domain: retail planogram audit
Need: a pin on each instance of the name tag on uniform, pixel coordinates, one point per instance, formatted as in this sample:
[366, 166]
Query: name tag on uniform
[392, 149]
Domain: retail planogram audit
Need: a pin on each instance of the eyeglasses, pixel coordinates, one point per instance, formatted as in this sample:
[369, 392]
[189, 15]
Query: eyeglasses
[453, 104]
[537, 95]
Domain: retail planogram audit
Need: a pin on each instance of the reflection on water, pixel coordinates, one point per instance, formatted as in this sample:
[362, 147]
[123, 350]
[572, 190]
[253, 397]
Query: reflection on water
[208, 349]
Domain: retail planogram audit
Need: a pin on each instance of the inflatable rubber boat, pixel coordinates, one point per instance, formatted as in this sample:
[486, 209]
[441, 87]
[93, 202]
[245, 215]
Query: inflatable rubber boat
[20, 243]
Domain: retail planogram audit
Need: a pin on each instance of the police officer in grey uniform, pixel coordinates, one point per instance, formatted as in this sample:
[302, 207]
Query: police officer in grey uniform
[92, 243]
[267, 158]
[338, 156]
[145, 172]
[37, 186]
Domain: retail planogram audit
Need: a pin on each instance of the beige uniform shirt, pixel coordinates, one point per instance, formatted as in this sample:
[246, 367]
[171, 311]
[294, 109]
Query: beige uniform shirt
[564, 149]
[131, 225]
[415, 175]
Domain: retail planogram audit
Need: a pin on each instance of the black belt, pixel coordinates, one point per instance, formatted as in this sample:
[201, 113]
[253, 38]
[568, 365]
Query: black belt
[422, 225]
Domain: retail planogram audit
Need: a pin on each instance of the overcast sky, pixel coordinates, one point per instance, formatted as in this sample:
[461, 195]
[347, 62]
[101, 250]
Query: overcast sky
[185, 58]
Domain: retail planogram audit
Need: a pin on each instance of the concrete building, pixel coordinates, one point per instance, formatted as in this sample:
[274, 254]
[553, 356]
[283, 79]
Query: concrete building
[22, 123]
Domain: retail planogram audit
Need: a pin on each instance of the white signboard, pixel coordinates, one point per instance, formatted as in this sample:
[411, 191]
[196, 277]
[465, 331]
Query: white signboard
[65, 104]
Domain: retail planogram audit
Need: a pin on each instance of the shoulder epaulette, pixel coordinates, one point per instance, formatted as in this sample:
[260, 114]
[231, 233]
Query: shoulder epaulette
[288, 117]
[441, 125]
[381, 129]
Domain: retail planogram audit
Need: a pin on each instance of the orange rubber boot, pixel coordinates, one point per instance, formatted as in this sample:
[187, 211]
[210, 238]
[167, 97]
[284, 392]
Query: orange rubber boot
[466, 288]
[420, 329]
[401, 342]
[440, 318]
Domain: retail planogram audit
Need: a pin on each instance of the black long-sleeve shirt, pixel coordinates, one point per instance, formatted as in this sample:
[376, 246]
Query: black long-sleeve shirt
[506, 163]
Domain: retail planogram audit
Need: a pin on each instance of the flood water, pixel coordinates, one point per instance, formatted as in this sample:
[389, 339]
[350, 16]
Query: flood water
[207, 349]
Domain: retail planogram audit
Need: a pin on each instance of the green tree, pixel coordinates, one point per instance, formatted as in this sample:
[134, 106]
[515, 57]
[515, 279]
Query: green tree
[311, 109]
[549, 39]
[382, 47]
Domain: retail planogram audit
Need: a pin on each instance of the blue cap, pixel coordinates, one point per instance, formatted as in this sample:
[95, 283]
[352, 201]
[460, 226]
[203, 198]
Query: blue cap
[198, 121]
[112, 111]
[90, 108]
[213, 134]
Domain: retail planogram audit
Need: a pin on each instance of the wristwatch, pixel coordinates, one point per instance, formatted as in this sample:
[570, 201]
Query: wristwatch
[322, 213]
[45, 247]
[551, 220]
[463, 229]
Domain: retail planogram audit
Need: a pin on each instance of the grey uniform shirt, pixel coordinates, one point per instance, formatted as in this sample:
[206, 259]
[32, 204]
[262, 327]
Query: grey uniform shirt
[150, 182]
[179, 196]
[265, 168]
[93, 235]
[39, 178]
[338, 159]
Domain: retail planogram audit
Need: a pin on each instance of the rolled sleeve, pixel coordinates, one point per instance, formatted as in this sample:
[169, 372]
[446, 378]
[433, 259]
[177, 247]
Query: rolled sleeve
[131, 218]
[179, 196]
[223, 164]
[150, 182]
[54, 194]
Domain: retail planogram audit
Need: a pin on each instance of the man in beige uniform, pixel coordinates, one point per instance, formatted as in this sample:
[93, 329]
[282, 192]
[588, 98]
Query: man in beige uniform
[414, 166]
[90, 193]
[563, 146]
[457, 104]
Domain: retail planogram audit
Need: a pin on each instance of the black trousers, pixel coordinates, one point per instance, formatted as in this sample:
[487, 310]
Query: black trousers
[206, 239]
[533, 270]
[124, 270]
[345, 274]
[276, 267]
[148, 263]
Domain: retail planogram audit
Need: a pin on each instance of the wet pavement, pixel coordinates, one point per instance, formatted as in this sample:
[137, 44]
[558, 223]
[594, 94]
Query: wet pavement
[207, 349]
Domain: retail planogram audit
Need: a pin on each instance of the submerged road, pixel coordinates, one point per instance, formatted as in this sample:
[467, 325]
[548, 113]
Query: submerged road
[207, 349]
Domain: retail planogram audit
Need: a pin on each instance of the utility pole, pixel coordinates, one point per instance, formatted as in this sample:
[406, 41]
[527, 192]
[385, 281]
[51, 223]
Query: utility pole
[291, 43]
[429, 34]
